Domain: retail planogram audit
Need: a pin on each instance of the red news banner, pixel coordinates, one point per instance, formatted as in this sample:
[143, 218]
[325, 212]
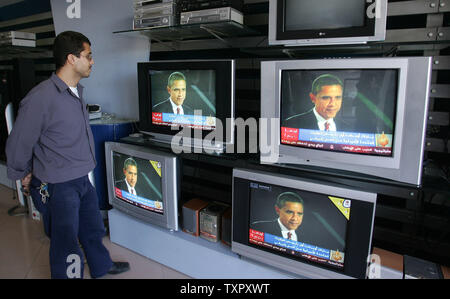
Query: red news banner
[364, 143]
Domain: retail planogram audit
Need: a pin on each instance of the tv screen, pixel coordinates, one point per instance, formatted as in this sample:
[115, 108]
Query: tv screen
[322, 22]
[332, 14]
[184, 97]
[143, 182]
[364, 116]
[340, 110]
[188, 98]
[138, 182]
[303, 226]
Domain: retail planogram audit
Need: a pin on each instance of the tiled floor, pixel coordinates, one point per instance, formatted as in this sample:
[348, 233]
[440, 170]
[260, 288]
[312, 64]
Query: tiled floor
[24, 249]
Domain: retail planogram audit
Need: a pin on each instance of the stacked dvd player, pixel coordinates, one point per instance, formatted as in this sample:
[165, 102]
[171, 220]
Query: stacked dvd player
[155, 13]
[17, 38]
[205, 11]
[192, 5]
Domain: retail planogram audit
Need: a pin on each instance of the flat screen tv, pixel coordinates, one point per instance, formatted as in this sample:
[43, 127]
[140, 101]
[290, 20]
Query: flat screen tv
[143, 183]
[188, 98]
[324, 22]
[366, 116]
[301, 226]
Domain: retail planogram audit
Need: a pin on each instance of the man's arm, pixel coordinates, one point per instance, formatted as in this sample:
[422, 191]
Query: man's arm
[24, 135]
[26, 184]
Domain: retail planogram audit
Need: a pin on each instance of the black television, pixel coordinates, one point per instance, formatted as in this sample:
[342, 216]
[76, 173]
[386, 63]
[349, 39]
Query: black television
[301, 226]
[188, 101]
[144, 183]
[324, 22]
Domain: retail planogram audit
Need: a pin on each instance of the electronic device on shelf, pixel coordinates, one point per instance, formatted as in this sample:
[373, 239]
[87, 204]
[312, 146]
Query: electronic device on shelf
[328, 227]
[191, 5]
[156, 179]
[225, 236]
[323, 22]
[211, 15]
[191, 216]
[18, 38]
[380, 125]
[207, 103]
[211, 221]
[155, 13]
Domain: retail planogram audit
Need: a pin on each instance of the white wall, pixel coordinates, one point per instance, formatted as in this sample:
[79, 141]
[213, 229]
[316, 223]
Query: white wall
[113, 81]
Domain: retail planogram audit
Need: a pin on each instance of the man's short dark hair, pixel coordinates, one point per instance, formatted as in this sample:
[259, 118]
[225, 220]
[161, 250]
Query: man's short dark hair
[68, 42]
[129, 162]
[174, 77]
[288, 196]
[324, 80]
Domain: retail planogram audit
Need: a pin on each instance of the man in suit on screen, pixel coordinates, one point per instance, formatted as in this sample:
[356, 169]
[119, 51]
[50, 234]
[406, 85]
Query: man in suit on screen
[176, 87]
[128, 184]
[326, 95]
[289, 208]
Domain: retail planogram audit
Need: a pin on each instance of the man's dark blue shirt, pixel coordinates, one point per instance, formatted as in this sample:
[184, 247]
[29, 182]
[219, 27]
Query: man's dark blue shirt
[51, 136]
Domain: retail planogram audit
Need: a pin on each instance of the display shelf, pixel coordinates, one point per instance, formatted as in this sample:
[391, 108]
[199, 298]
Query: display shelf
[219, 30]
[251, 161]
[193, 256]
[9, 52]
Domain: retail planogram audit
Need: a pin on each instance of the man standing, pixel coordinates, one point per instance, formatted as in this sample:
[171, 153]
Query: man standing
[326, 95]
[176, 87]
[51, 149]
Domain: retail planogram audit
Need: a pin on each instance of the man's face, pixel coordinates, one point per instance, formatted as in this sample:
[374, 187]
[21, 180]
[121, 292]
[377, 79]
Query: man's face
[131, 175]
[83, 64]
[291, 214]
[177, 91]
[328, 100]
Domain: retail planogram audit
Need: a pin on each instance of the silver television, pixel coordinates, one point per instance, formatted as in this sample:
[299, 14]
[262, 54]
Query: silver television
[324, 22]
[331, 226]
[379, 115]
[144, 183]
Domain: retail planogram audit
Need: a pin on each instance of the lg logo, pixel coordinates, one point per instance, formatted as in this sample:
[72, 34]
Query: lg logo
[74, 9]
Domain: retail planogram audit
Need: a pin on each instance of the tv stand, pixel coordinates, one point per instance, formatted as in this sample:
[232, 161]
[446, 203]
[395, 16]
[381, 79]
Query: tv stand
[193, 256]
[188, 151]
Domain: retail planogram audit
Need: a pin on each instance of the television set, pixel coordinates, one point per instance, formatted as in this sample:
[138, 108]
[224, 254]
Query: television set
[377, 107]
[155, 178]
[300, 226]
[324, 22]
[191, 99]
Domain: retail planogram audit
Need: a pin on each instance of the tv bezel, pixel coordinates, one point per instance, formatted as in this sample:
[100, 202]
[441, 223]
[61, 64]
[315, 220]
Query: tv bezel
[225, 86]
[358, 239]
[405, 164]
[170, 182]
[373, 30]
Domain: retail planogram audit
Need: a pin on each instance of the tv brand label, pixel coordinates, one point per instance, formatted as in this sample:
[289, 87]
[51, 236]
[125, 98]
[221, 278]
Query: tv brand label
[74, 9]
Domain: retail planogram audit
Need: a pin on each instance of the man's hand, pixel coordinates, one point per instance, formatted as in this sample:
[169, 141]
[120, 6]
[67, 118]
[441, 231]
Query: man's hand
[26, 184]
